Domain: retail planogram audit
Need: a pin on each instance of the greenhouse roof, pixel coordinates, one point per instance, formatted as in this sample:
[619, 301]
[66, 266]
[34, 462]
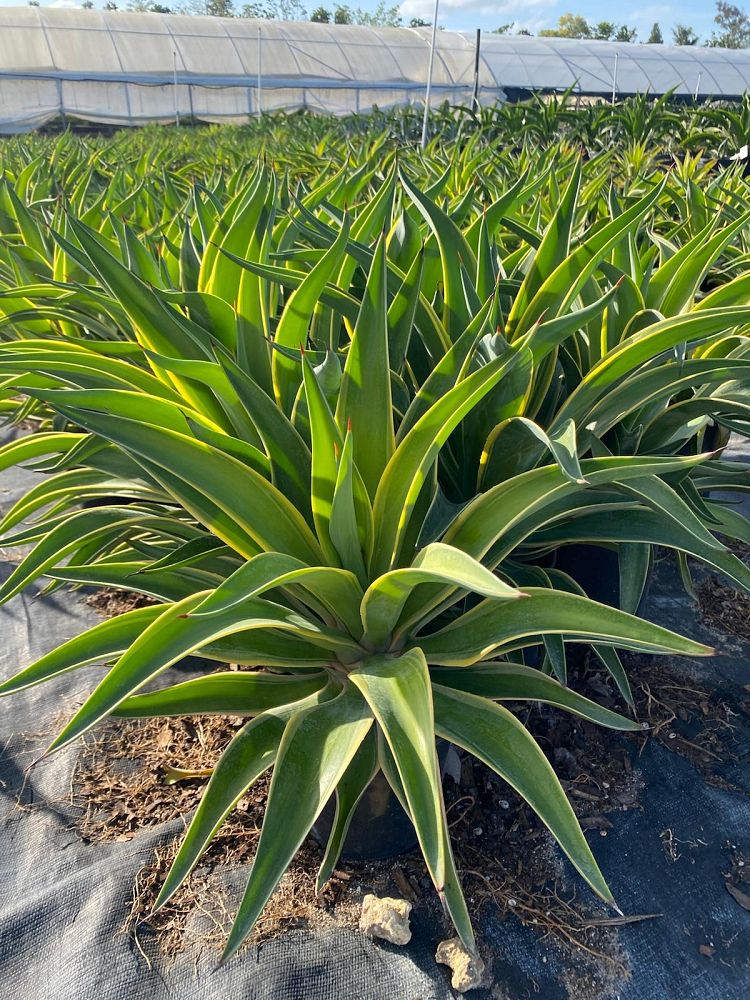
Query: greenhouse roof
[597, 67]
[128, 68]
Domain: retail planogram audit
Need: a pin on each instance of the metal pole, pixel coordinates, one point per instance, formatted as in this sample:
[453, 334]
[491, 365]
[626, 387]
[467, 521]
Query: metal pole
[426, 117]
[475, 90]
[176, 98]
[697, 88]
[259, 74]
[62, 104]
[614, 80]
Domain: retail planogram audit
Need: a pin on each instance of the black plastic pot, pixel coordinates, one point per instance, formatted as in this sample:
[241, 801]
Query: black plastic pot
[716, 438]
[379, 828]
[595, 567]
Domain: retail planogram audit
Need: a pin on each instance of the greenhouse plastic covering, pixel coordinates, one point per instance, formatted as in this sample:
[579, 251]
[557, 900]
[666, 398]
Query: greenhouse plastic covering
[115, 68]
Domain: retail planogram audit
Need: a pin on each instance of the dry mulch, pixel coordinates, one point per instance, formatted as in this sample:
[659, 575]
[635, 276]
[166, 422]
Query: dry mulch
[123, 782]
[110, 602]
[725, 607]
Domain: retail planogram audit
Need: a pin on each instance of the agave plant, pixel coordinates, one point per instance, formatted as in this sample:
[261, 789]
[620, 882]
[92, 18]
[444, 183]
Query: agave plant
[341, 449]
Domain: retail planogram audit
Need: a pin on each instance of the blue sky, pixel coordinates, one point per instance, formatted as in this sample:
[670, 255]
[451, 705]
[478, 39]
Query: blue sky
[532, 14]
[536, 14]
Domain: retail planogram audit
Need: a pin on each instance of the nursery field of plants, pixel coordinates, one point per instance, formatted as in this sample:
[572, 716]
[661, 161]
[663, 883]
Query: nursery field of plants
[357, 421]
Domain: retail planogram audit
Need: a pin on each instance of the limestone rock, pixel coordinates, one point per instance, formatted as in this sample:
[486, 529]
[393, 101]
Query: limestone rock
[386, 918]
[467, 967]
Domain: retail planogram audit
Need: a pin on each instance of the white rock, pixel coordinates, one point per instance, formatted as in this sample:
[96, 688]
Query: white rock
[386, 918]
[467, 966]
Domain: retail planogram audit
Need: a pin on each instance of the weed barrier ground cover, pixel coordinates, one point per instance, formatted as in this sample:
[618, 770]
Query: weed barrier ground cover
[682, 852]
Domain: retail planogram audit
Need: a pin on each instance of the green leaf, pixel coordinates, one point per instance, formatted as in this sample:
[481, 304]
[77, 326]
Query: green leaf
[641, 347]
[402, 313]
[326, 438]
[256, 505]
[293, 326]
[189, 553]
[223, 693]
[289, 455]
[95, 645]
[560, 289]
[348, 534]
[174, 635]
[500, 741]
[450, 368]
[158, 327]
[655, 493]
[454, 252]
[399, 692]
[315, 751]
[646, 527]
[519, 457]
[164, 584]
[349, 791]
[493, 624]
[337, 589]
[63, 539]
[489, 516]
[252, 751]
[406, 472]
[437, 563]
[364, 402]
[553, 249]
[34, 445]
[516, 682]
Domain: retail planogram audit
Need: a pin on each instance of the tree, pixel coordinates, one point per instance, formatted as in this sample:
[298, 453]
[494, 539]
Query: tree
[734, 27]
[34, 3]
[275, 10]
[419, 22]
[682, 34]
[656, 37]
[504, 29]
[220, 8]
[147, 7]
[603, 30]
[568, 26]
[110, 5]
[342, 15]
[382, 17]
[625, 34]
[88, 4]
[576, 26]
[321, 16]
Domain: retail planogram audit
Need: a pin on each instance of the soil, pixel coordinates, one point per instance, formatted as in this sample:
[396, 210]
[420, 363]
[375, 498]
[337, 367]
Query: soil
[725, 607]
[110, 602]
[135, 774]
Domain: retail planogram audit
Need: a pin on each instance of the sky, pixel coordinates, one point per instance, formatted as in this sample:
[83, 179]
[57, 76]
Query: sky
[531, 14]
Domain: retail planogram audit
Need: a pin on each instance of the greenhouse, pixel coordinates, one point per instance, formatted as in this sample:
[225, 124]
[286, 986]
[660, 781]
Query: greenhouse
[125, 68]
